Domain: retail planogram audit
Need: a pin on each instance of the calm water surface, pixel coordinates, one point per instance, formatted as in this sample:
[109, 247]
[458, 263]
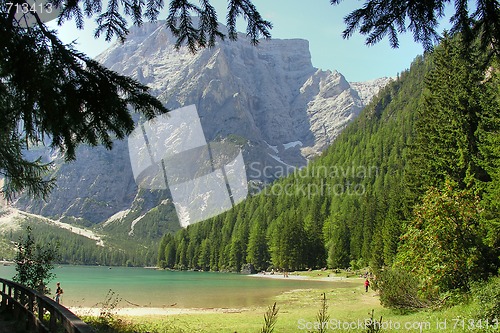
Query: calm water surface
[88, 286]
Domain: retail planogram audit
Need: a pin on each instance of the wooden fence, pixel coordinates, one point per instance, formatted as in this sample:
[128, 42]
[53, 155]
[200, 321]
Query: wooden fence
[40, 313]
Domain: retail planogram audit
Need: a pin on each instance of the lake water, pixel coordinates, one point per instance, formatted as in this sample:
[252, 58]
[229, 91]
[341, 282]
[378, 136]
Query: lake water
[87, 286]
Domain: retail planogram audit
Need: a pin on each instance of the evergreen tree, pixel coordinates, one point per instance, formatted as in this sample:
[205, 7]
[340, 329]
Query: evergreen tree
[376, 259]
[161, 252]
[338, 256]
[257, 252]
[50, 92]
[181, 259]
[448, 125]
[490, 149]
[170, 254]
[378, 19]
[236, 254]
[274, 242]
[204, 258]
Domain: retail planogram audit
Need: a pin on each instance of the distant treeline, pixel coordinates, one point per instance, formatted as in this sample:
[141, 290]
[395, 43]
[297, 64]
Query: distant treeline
[416, 182]
[78, 250]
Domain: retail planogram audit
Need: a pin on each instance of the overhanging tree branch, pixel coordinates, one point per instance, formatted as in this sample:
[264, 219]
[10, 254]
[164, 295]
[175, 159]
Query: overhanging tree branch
[377, 19]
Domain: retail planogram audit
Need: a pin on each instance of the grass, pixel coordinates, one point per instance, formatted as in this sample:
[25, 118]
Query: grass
[348, 308]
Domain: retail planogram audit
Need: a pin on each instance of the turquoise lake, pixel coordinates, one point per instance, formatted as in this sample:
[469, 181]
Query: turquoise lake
[87, 286]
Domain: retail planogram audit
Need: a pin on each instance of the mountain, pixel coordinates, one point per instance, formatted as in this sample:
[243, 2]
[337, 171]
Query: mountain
[267, 99]
[270, 95]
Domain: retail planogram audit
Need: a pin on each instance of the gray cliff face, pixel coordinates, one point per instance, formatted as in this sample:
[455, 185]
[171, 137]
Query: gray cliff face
[268, 99]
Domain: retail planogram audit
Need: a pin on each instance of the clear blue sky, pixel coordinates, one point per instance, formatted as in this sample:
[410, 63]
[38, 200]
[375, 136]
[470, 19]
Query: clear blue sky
[315, 20]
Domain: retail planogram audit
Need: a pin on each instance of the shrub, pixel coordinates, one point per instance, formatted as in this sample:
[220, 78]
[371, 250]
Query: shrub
[399, 290]
[487, 295]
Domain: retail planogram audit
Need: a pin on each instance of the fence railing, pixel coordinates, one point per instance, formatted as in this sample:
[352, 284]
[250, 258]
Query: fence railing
[39, 312]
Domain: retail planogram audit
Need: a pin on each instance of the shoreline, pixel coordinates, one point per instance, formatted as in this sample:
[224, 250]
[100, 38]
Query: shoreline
[142, 311]
[153, 311]
[292, 276]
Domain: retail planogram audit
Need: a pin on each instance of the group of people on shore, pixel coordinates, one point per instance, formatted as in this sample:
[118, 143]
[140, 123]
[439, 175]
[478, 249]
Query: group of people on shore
[367, 276]
[272, 272]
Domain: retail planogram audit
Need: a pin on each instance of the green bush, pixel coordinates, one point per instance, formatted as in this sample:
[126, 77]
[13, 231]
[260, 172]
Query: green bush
[487, 295]
[399, 290]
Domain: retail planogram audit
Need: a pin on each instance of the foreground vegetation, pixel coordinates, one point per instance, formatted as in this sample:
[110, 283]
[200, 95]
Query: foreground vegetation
[303, 311]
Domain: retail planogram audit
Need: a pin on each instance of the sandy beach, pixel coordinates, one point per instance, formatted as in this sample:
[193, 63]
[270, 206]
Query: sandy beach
[292, 276]
[141, 311]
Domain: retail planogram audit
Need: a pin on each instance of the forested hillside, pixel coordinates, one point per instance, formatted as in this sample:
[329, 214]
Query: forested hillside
[78, 245]
[415, 177]
[129, 238]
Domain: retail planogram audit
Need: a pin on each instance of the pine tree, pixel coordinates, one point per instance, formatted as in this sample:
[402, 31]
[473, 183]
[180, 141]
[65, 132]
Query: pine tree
[449, 122]
[315, 254]
[378, 19]
[182, 261]
[339, 245]
[204, 258]
[490, 149]
[170, 253]
[161, 250]
[257, 252]
[50, 92]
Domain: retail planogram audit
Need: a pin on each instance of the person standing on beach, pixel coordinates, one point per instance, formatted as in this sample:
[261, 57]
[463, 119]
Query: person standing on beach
[367, 284]
[59, 292]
